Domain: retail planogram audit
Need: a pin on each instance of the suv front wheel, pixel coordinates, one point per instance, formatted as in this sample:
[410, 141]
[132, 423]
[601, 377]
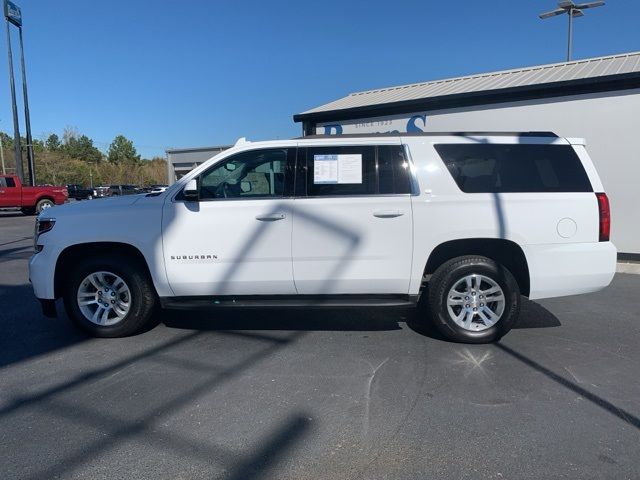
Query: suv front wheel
[110, 297]
[473, 299]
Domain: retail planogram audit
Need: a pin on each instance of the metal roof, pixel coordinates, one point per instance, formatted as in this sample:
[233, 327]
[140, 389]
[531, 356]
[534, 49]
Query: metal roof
[519, 78]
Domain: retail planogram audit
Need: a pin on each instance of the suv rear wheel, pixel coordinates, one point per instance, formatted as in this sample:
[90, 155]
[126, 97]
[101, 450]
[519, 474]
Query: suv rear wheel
[109, 297]
[473, 299]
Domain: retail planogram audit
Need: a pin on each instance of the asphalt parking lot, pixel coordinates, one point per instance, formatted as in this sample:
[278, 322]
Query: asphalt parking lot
[362, 394]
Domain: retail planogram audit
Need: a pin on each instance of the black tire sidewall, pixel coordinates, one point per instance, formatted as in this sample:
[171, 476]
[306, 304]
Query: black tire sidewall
[142, 299]
[449, 274]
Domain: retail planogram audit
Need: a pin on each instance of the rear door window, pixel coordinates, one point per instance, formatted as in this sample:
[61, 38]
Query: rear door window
[503, 168]
[353, 170]
[344, 170]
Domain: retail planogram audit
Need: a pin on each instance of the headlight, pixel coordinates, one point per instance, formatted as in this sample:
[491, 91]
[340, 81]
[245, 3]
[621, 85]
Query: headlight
[42, 226]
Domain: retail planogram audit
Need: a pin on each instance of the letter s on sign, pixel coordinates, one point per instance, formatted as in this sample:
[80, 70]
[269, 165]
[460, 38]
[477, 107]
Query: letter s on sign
[411, 124]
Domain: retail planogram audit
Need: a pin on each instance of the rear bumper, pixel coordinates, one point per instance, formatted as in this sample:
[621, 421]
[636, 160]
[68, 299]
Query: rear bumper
[559, 270]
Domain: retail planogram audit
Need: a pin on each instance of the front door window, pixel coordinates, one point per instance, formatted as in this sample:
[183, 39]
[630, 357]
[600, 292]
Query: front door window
[250, 175]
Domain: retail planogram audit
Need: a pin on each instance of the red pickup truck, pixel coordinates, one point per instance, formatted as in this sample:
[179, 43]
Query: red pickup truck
[30, 200]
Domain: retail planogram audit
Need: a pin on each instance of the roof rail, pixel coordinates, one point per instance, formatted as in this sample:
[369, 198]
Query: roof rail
[434, 134]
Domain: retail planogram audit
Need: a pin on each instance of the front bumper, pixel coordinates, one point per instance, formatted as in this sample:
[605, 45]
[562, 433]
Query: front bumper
[42, 268]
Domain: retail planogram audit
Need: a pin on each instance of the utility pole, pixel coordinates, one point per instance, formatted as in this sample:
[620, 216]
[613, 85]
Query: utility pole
[14, 106]
[27, 117]
[572, 10]
[13, 15]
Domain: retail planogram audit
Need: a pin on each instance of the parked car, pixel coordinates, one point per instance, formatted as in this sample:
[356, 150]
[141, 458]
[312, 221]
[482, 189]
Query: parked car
[118, 190]
[152, 188]
[102, 191]
[158, 188]
[466, 222]
[78, 192]
[28, 199]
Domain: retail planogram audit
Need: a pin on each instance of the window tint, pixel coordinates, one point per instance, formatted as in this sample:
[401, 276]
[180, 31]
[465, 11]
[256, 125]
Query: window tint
[394, 175]
[492, 168]
[253, 174]
[349, 170]
[7, 182]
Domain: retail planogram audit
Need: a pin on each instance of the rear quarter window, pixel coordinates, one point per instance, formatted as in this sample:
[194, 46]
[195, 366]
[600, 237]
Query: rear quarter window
[504, 168]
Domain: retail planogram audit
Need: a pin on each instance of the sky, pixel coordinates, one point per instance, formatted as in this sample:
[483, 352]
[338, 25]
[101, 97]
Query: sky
[172, 74]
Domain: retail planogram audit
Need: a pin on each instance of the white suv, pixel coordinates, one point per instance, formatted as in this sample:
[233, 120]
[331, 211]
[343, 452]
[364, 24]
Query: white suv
[470, 221]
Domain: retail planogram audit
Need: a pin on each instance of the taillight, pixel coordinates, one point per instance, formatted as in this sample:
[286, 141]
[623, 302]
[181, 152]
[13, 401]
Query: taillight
[605, 217]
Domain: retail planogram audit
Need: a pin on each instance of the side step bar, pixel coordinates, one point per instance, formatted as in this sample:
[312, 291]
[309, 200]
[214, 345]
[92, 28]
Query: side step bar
[288, 301]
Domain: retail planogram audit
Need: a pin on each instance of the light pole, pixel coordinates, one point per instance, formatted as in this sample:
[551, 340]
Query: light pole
[572, 10]
[13, 15]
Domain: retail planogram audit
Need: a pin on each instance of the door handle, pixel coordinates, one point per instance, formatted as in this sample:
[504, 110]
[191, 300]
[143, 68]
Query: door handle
[388, 213]
[271, 217]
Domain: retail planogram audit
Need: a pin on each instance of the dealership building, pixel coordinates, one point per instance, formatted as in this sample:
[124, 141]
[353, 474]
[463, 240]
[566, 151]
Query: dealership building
[182, 160]
[597, 99]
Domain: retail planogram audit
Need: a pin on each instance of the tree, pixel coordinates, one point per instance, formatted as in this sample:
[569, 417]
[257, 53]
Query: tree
[68, 133]
[122, 150]
[7, 141]
[52, 143]
[82, 148]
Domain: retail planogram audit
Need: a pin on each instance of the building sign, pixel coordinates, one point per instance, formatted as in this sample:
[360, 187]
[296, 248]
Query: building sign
[12, 13]
[404, 123]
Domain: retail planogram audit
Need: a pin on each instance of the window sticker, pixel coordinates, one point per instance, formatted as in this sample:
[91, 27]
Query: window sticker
[325, 169]
[328, 169]
[350, 168]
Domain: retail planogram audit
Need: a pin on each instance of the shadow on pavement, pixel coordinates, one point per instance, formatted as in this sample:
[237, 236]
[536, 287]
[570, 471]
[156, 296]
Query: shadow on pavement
[13, 213]
[592, 397]
[147, 423]
[26, 333]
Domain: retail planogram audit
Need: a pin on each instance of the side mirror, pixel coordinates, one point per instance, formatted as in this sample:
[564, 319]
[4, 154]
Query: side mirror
[230, 166]
[245, 186]
[190, 191]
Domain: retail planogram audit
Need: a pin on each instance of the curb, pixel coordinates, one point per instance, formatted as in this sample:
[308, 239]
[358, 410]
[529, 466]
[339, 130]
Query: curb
[628, 267]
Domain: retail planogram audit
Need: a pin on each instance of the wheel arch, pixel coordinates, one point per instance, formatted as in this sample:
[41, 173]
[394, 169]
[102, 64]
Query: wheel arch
[44, 196]
[73, 253]
[505, 252]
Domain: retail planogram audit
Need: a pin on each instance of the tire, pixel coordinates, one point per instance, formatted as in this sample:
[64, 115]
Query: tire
[89, 197]
[140, 297]
[44, 204]
[450, 285]
[28, 211]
